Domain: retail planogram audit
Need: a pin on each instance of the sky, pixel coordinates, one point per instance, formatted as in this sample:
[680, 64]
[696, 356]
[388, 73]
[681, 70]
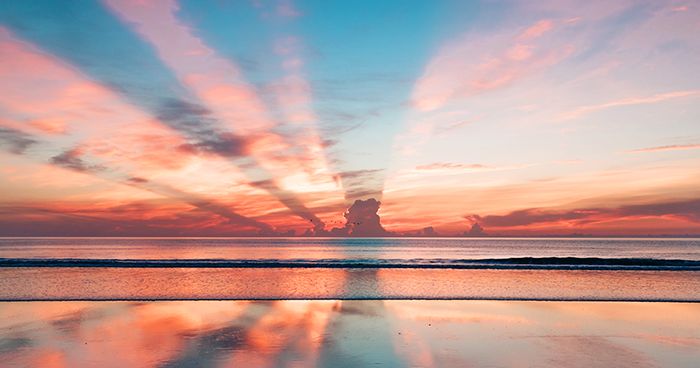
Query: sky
[362, 118]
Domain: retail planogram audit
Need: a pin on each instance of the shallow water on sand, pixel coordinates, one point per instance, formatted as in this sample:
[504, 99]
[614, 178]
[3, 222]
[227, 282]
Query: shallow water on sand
[349, 334]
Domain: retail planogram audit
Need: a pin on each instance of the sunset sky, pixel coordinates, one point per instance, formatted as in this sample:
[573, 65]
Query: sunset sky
[227, 118]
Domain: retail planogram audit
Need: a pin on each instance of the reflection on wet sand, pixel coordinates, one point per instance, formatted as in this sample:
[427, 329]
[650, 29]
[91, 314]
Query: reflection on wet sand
[348, 333]
[353, 318]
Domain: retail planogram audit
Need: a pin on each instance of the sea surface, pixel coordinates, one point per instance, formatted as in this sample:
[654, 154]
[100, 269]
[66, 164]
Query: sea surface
[143, 302]
[347, 249]
[339, 268]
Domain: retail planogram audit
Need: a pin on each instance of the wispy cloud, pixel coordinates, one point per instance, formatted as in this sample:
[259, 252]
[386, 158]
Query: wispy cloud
[477, 63]
[630, 101]
[454, 168]
[450, 166]
[673, 147]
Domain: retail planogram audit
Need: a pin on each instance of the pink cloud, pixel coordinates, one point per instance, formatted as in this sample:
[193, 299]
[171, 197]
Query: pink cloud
[217, 81]
[629, 101]
[43, 95]
[674, 147]
[126, 144]
[520, 52]
[146, 146]
[220, 85]
[50, 125]
[574, 9]
[126, 140]
[477, 64]
[65, 102]
[449, 166]
[294, 99]
[536, 30]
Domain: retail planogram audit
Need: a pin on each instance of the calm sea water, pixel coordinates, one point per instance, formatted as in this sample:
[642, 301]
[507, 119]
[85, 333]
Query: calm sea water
[298, 268]
[344, 248]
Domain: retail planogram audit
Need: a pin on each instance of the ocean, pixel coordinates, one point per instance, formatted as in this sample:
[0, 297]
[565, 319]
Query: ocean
[294, 302]
[340, 268]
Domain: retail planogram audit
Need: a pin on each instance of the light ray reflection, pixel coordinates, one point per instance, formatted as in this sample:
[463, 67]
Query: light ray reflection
[327, 333]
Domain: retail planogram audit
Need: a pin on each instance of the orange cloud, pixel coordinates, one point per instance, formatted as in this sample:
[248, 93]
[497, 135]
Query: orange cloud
[50, 125]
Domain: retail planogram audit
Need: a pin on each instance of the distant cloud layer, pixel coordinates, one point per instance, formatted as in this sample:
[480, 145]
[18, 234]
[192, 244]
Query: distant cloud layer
[686, 209]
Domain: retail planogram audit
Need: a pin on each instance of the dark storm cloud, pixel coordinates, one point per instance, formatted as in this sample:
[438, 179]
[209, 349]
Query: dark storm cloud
[15, 141]
[687, 209]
